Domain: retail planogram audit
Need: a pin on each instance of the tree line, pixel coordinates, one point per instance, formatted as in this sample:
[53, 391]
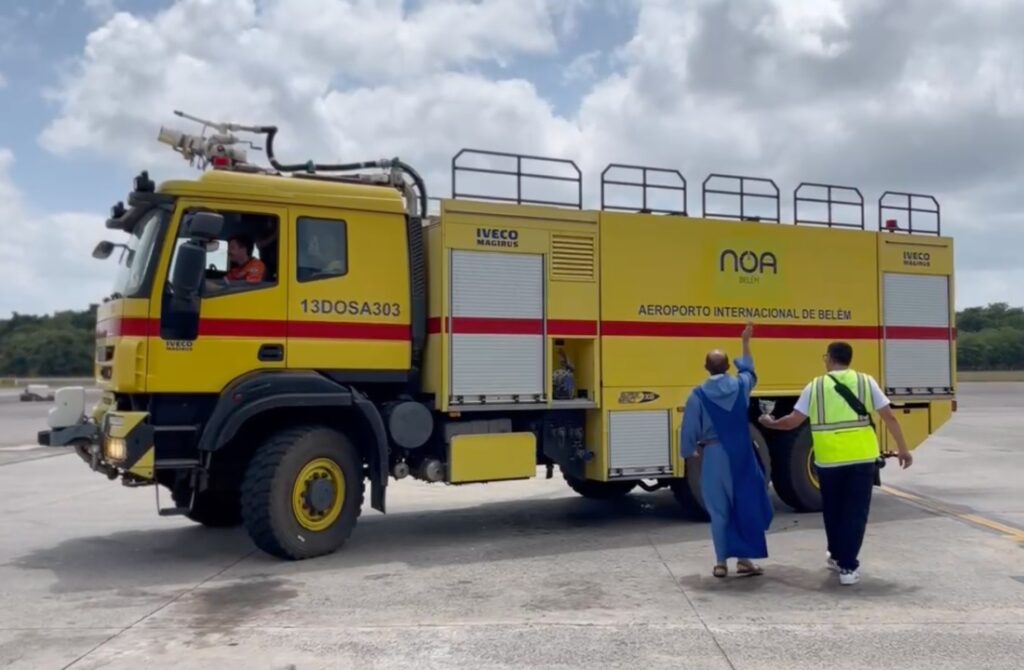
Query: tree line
[990, 338]
[55, 345]
[63, 344]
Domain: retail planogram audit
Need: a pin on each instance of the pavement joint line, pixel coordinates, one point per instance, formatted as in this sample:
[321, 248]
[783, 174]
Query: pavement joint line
[696, 612]
[162, 607]
[942, 509]
[29, 459]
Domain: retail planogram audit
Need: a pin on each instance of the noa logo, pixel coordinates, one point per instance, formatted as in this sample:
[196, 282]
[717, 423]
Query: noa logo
[497, 237]
[748, 262]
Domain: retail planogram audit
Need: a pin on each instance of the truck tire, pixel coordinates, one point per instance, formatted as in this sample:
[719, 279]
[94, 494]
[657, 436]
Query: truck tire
[211, 508]
[794, 475]
[687, 490]
[596, 490]
[303, 492]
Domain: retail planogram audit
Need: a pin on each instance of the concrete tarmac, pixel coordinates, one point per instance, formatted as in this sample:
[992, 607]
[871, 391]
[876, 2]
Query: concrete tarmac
[523, 575]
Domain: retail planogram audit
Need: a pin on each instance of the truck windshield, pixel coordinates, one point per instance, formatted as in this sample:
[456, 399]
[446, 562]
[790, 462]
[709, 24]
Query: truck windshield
[135, 260]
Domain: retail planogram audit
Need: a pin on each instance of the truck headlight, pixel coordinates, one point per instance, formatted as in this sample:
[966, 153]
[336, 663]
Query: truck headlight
[115, 449]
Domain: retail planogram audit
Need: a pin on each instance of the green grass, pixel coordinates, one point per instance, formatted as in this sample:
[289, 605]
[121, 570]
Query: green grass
[990, 376]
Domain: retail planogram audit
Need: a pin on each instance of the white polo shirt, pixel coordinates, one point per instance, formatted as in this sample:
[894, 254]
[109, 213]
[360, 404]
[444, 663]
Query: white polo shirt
[879, 399]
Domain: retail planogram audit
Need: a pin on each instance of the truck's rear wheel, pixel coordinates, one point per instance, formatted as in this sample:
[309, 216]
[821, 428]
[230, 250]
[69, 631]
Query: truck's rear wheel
[303, 492]
[589, 488]
[212, 508]
[688, 490]
[794, 476]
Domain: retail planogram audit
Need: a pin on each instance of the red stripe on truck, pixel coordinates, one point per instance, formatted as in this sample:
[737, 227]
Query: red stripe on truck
[353, 330]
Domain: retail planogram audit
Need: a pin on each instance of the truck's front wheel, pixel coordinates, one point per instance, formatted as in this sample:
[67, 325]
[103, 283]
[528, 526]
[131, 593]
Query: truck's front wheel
[303, 492]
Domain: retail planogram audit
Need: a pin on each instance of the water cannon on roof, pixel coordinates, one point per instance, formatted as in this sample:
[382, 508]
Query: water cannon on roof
[221, 150]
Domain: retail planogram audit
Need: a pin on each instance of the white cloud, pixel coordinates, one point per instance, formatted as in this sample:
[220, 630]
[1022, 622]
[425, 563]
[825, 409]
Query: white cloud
[583, 68]
[101, 9]
[45, 261]
[864, 92]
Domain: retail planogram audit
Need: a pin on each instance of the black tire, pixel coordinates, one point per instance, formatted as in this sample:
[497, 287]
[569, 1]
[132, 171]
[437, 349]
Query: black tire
[597, 490]
[687, 490]
[212, 508]
[267, 489]
[794, 475]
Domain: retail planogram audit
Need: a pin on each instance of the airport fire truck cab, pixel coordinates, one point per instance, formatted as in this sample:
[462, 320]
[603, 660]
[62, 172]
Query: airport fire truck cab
[497, 338]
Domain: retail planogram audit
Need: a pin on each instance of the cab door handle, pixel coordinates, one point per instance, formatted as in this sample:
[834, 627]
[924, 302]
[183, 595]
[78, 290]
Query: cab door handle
[271, 353]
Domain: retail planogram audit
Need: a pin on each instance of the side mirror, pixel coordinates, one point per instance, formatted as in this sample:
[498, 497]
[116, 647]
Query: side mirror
[179, 319]
[205, 226]
[189, 271]
[103, 250]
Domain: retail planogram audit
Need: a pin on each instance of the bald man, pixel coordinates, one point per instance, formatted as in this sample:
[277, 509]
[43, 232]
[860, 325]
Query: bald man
[716, 430]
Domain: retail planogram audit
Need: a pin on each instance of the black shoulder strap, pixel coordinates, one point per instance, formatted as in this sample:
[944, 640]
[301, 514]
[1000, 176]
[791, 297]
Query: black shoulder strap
[850, 397]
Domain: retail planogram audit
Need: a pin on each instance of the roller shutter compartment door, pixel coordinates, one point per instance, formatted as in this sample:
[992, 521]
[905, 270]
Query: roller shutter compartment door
[497, 327]
[917, 333]
[639, 443]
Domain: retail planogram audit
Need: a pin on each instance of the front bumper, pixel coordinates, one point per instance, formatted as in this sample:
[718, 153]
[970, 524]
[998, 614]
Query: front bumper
[121, 444]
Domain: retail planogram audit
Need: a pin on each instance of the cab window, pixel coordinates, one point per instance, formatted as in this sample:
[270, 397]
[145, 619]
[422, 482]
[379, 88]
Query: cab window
[322, 248]
[244, 257]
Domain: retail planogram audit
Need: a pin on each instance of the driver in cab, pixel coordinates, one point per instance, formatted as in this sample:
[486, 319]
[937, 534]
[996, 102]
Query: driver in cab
[242, 267]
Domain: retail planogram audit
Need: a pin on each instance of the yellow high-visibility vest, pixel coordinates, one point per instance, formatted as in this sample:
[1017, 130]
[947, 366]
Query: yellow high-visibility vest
[840, 437]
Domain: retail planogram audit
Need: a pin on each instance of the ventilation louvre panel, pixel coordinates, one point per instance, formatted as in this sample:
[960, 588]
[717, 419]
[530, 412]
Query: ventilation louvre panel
[572, 257]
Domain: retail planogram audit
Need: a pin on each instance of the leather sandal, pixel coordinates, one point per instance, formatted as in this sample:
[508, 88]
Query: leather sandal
[746, 568]
[720, 571]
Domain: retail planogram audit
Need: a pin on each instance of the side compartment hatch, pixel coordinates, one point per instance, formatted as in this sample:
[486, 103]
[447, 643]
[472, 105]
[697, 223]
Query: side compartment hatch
[497, 327]
[918, 334]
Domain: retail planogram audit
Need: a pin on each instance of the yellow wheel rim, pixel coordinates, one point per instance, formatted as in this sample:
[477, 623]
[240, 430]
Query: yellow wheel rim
[812, 474]
[318, 494]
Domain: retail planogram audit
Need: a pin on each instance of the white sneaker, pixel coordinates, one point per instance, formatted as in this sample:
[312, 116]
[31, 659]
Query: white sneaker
[848, 577]
[831, 562]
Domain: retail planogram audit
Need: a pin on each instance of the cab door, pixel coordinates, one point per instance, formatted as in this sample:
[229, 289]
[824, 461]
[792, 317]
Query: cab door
[348, 293]
[242, 324]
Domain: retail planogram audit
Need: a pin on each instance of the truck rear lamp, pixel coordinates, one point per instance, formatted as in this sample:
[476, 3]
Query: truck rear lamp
[115, 449]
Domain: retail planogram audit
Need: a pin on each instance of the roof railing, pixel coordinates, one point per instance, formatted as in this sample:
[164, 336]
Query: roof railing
[913, 206]
[756, 198]
[831, 202]
[517, 172]
[648, 189]
[742, 192]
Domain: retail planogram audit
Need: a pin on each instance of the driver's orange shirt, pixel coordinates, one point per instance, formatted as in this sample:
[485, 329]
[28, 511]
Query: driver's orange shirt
[251, 272]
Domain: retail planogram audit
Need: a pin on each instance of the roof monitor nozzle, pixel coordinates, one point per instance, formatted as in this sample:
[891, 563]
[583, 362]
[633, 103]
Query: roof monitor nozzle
[221, 148]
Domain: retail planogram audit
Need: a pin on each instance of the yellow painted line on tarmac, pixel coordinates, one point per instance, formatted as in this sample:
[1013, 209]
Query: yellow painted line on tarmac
[942, 509]
[1010, 531]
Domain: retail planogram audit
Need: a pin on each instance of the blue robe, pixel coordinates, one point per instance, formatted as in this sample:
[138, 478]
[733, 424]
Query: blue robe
[732, 481]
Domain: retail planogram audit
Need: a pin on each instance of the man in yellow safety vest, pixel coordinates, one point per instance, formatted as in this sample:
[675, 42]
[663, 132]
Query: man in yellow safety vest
[839, 405]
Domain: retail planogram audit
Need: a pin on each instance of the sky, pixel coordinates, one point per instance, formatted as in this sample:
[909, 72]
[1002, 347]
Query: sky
[922, 96]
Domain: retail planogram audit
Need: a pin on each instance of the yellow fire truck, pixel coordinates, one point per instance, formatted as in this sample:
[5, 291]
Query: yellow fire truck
[366, 339]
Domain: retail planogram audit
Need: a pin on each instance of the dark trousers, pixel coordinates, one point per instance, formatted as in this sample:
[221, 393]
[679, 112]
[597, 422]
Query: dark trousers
[846, 501]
